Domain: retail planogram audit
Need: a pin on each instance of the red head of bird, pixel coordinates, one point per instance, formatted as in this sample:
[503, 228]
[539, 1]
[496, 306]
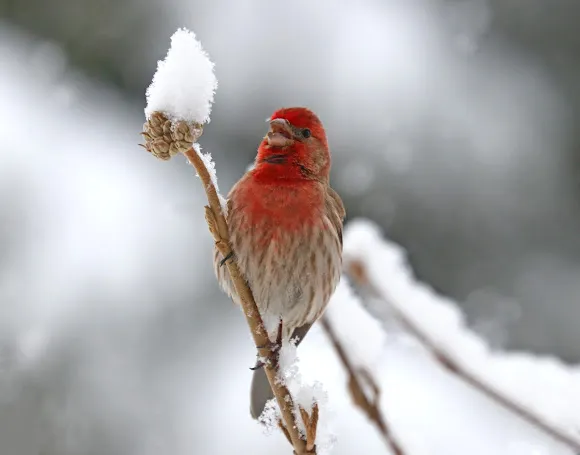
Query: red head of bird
[296, 145]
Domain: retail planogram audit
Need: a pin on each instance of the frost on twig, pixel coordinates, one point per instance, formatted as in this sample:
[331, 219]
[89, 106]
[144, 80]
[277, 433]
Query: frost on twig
[178, 104]
[543, 392]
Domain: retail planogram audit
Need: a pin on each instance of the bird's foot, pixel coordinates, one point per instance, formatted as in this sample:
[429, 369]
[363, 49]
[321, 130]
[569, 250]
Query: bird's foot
[227, 258]
[272, 354]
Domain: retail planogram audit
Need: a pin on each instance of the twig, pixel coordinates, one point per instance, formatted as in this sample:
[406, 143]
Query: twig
[218, 227]
[369, 406]
[356, 270]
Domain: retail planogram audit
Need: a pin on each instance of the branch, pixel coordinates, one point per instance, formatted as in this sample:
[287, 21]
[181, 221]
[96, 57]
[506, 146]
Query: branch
[357, 272]
[369, 406]
[164, 140]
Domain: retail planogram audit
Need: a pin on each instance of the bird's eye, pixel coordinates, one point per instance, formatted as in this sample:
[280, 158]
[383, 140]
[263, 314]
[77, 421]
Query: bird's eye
[306, 133]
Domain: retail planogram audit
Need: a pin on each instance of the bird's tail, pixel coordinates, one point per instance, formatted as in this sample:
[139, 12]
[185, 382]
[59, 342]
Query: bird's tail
[260, 392]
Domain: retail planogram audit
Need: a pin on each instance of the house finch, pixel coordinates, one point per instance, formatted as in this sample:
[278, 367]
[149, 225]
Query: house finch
[286, 231]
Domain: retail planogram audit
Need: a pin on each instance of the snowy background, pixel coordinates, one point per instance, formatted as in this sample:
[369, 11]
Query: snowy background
[452, 126]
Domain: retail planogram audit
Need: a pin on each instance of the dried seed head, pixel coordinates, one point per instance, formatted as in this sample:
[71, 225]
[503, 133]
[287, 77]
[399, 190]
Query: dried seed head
[164, 138]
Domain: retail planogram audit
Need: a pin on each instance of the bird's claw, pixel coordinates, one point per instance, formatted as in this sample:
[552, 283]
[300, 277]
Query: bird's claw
[259, 364]
[273, 352]
[227, 258]
[270, 359]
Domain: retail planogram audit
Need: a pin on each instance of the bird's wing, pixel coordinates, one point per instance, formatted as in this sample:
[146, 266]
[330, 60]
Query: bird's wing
[336, 211]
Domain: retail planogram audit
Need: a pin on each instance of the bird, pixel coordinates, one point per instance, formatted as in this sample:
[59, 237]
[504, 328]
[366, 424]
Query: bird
[286, 223]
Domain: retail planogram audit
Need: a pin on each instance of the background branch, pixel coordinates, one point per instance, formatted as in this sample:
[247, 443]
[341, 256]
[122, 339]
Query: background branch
[357, 271]
[371, 407]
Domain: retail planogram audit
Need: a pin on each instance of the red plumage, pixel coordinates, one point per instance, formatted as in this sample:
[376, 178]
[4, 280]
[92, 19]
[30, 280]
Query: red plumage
[286, 230]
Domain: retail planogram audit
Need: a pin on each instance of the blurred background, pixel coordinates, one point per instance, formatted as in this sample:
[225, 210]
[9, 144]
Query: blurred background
[452, 125]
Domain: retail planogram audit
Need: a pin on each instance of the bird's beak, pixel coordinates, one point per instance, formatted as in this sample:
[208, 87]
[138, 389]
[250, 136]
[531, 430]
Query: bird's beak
[280, 134]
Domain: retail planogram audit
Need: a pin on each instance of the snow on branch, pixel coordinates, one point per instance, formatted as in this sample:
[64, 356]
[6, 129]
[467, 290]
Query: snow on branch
[542, 391]
[184, 85]
[178, 104]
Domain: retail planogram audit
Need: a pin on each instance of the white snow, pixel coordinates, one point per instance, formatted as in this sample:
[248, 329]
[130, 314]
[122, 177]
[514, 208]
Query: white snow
[305, 393]
[184, 85]
[543, 385]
